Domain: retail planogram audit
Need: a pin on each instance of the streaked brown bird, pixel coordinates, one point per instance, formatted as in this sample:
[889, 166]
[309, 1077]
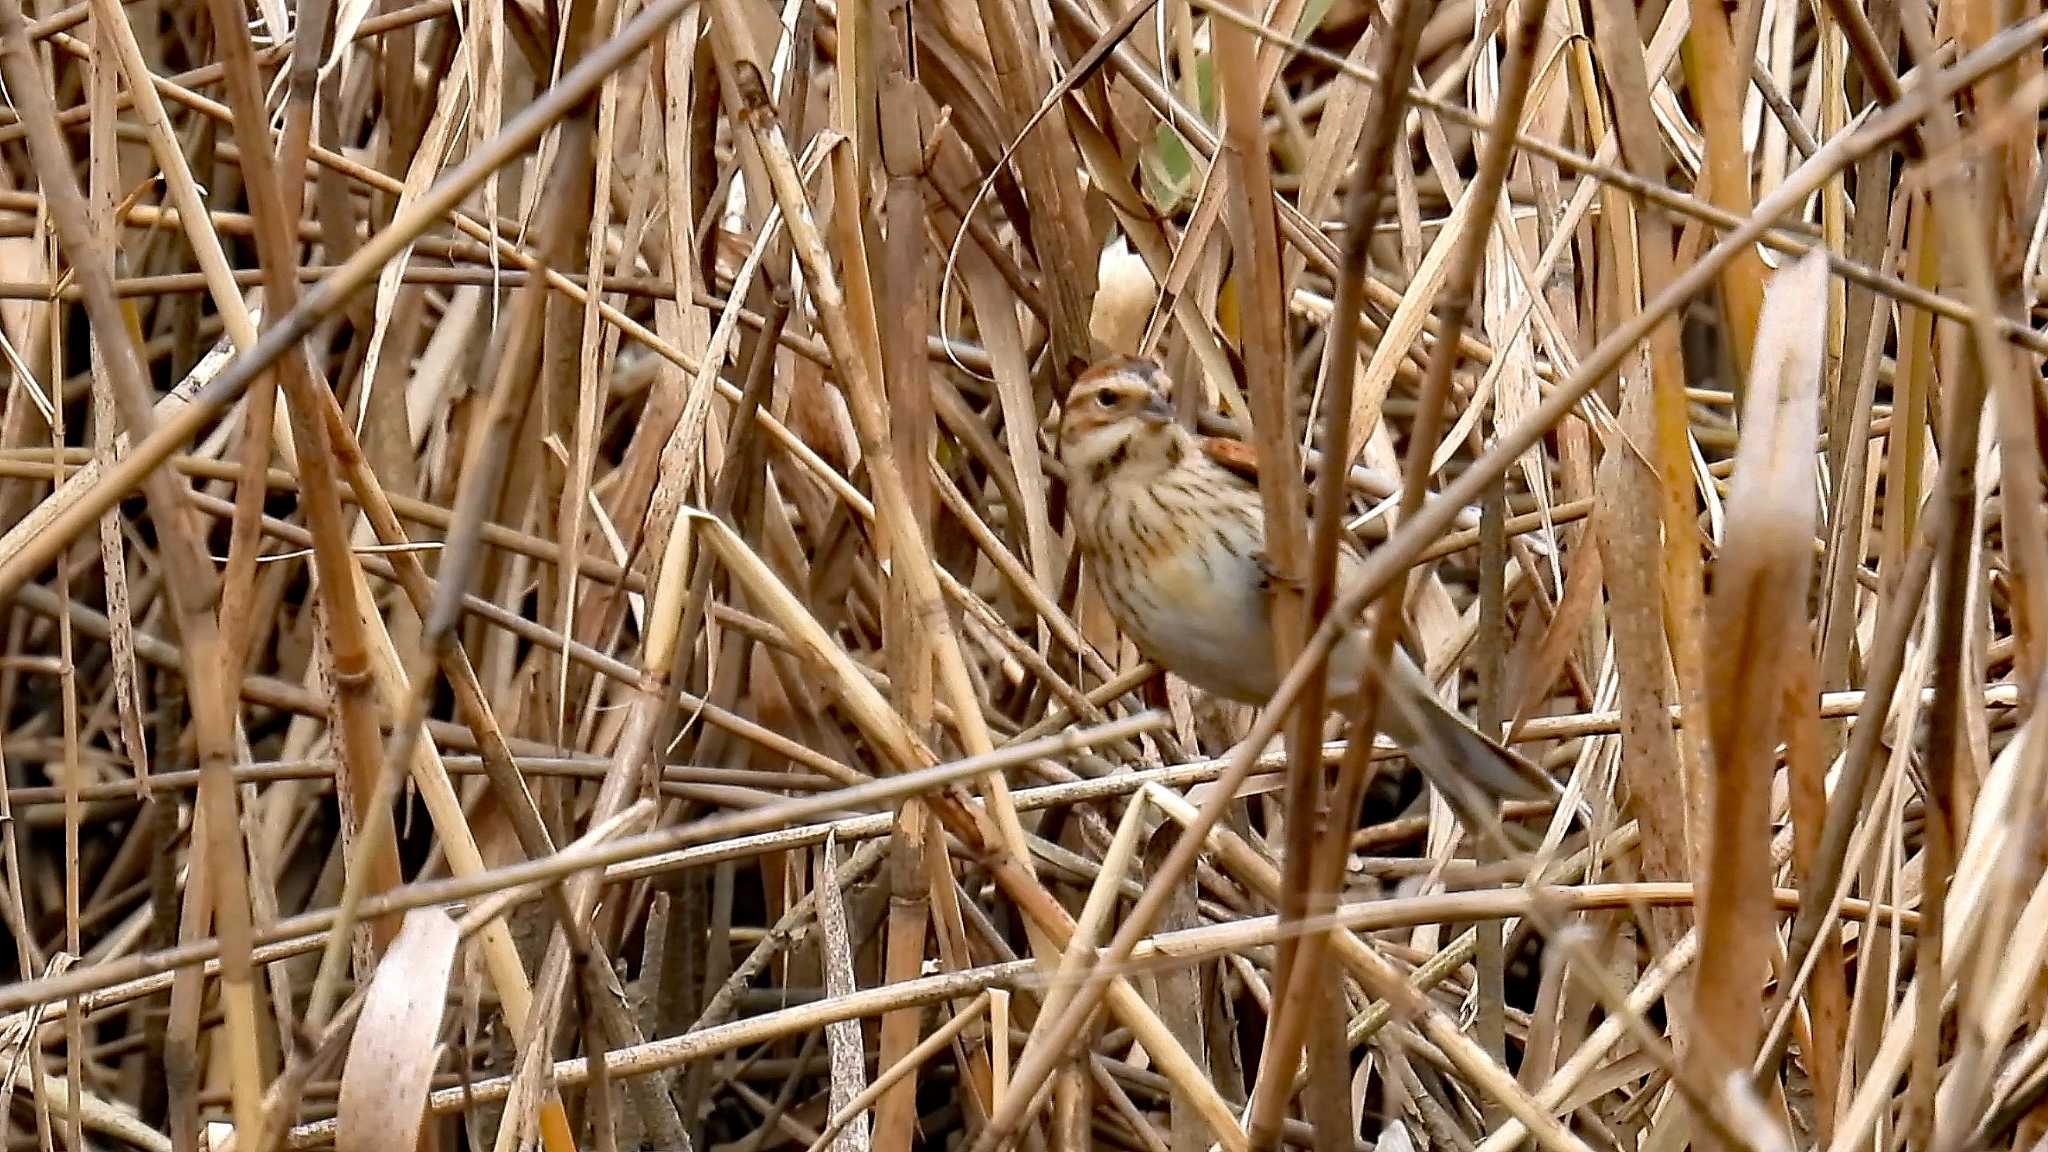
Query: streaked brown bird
[1175, 542]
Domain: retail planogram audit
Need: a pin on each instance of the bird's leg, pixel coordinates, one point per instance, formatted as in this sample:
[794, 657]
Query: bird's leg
[1153, 690]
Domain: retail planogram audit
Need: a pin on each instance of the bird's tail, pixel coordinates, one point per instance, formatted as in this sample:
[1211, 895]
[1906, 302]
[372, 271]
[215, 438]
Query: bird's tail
[1474, 772]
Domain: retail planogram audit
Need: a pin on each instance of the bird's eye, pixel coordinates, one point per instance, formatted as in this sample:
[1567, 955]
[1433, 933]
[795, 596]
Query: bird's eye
[1105, 399]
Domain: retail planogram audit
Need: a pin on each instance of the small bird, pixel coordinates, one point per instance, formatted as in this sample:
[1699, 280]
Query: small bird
[1175, 540]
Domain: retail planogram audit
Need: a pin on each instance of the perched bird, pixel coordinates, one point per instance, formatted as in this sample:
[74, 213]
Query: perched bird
[1175, 542]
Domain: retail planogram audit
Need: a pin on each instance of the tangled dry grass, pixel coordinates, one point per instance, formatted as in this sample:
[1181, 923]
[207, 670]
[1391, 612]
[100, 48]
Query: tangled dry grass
[538, 595]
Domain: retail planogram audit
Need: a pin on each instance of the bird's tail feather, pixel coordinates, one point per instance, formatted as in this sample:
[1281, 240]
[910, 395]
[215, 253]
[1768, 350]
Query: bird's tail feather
[1460, 760]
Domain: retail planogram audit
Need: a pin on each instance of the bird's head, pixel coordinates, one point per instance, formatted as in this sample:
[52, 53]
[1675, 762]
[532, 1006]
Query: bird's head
[1117, 415]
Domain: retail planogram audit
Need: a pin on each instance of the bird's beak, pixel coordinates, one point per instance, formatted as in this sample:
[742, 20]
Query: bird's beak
[1157, 410]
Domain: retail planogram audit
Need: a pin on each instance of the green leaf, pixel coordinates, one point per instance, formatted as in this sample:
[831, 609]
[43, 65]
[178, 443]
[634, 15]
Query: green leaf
[1169, 170]
[1205, 87]
[1311, 18]
[1167, 166]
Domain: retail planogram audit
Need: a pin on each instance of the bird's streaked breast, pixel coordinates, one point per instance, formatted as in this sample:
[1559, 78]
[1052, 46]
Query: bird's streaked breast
[1177, 562]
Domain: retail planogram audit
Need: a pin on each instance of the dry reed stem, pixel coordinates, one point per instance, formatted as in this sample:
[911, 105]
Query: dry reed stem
[745, 534]
[192, 580]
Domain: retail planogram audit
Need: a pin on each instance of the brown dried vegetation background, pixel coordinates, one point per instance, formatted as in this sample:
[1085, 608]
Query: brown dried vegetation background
[537, 593]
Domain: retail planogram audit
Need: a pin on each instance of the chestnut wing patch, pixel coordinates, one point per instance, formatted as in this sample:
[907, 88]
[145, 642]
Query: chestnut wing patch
[1236, 456]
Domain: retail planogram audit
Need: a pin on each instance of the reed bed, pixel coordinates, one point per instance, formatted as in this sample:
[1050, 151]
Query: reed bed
[540, 609]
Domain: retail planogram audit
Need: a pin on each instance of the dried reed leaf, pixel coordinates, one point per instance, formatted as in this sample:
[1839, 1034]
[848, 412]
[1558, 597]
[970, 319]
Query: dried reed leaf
[396, 1044]
[1757, 611]
[348, 18]
[424, 170]
[1125, 295]
[843, 1038]
[1376, 376]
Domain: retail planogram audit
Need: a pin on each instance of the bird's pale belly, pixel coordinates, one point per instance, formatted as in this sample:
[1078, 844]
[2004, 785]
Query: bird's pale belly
[1203, 613]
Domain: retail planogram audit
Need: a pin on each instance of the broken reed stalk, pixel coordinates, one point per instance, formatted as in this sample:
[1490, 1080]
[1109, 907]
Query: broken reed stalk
[918, 852]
